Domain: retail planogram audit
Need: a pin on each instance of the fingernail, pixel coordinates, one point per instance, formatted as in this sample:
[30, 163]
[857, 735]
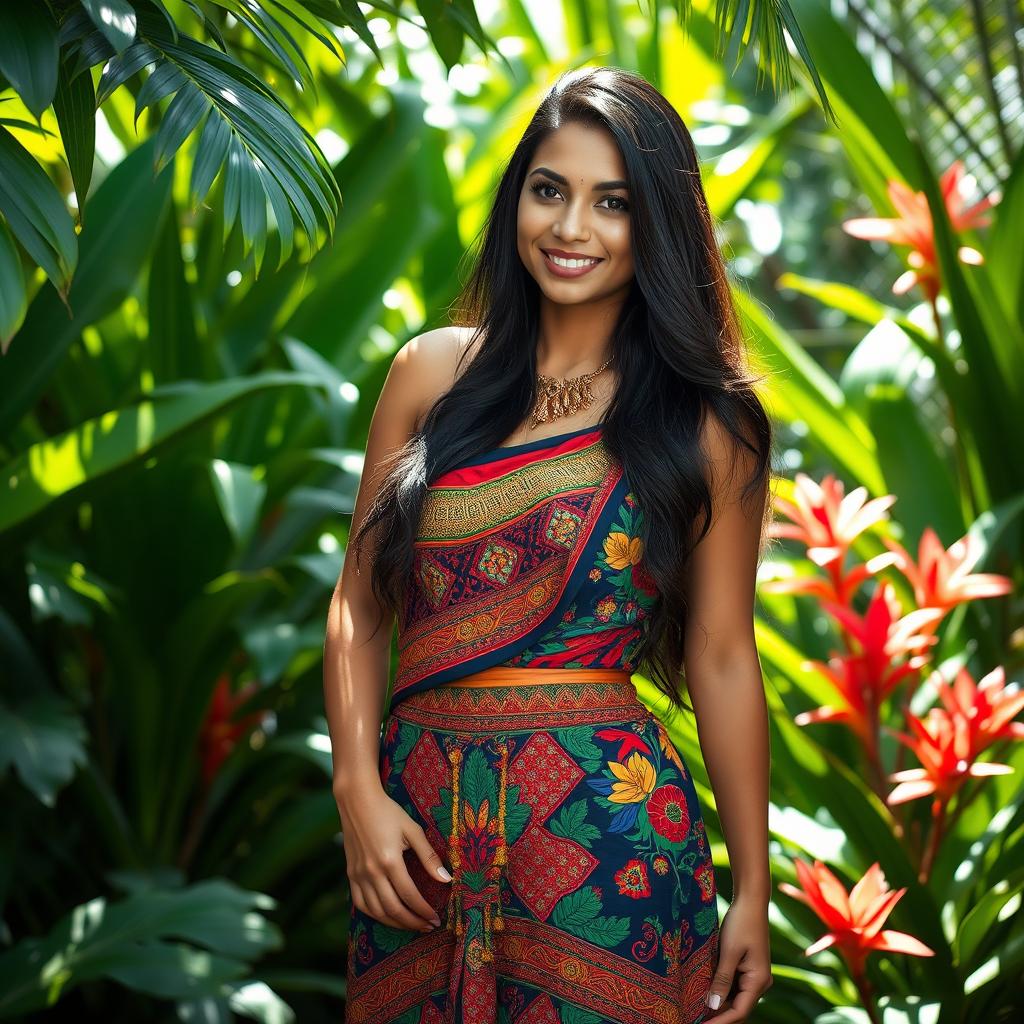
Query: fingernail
[436, 920]
[714, 1000]
[443, 873]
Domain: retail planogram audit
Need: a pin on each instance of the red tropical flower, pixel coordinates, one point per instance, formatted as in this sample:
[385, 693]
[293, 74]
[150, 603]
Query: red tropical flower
[632, 879]
[828, 521]
[858, 695]
[943, 579]
[668, 813]
[913, 226]
[884, 634]
[865, 678]
[220, 732]
[854, 920]
[987, 706]
[944, 744]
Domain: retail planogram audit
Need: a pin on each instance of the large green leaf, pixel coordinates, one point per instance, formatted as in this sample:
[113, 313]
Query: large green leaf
[29, 53]
[58, 467]
[44, 740]
[882, 381]
[1005, 253]
[869, 125]
[13, 300]
[75, 107]
[270, 157]
[116, 19]
[122, 215]
[994, 360]
[806, 394]
[855, 303]
[133, 941]
[36, 213]
[975, 931]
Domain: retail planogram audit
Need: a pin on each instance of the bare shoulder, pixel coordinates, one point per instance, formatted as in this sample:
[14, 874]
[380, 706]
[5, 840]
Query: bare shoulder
[730, 461]
[430, 363]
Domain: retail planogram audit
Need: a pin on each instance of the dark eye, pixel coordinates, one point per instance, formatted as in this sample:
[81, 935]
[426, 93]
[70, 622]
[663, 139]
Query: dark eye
[536, 188]
[618, 199]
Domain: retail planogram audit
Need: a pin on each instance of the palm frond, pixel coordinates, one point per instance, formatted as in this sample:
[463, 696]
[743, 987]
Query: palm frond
[739, 23]
[243, 121]
[955, 72]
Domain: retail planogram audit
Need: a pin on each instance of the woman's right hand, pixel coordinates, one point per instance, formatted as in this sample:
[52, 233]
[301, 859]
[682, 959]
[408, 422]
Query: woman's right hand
[377, 831]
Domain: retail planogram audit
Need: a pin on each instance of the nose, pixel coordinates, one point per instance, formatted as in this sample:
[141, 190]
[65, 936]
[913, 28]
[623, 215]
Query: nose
[573, 222]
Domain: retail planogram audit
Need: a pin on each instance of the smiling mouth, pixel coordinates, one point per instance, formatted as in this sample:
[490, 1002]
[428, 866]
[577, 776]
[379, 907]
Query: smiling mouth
[576, 269]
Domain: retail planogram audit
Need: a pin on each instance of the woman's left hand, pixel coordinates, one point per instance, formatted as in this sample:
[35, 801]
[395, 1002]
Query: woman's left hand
[744, 971]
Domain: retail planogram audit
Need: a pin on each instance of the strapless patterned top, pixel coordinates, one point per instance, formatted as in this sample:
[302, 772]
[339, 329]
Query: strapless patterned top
[527, 555]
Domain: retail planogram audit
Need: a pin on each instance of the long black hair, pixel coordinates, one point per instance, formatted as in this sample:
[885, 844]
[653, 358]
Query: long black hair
[677, 345]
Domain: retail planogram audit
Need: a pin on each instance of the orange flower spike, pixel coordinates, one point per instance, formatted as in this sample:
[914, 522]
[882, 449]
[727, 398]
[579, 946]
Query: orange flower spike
[943, 579]
[913, 227]
[855, 920]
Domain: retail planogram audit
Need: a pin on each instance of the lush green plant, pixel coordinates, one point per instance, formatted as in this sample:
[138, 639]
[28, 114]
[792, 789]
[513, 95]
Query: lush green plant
[174, 510]
[923, 409]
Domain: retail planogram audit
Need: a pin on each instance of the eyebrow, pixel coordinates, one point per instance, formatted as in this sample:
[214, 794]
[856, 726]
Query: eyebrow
[601, 186]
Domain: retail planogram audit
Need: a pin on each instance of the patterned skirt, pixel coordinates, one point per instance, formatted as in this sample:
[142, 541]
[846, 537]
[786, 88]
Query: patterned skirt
[583, 889]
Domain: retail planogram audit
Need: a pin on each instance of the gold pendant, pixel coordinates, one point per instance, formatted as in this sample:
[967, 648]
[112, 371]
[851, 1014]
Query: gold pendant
[566, 397]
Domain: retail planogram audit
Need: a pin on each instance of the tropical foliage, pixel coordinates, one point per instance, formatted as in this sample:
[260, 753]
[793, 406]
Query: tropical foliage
[218, 221]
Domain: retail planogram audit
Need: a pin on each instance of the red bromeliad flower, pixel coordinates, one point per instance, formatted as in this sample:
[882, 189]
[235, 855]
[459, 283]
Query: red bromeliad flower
[913, 226]
[884, 634]
[220, 732]
[828, 522]
[860, 694]
[855, 920]
[987, 706]
[943, 579]
[945, 745]
[865, 678]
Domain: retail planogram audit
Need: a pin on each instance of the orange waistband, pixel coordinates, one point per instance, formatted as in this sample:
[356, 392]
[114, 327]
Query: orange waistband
[506, 675]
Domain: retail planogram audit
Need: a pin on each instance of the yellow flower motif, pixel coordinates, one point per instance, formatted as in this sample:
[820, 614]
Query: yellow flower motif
[622, 550]
[638, 779]
[668, 747]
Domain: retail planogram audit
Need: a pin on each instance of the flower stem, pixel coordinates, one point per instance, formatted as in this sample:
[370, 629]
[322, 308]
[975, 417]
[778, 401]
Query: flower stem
[934, 840]
[866, 993]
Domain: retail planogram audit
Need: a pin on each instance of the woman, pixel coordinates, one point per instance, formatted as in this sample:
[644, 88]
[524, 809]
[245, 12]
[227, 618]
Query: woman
[570, 488]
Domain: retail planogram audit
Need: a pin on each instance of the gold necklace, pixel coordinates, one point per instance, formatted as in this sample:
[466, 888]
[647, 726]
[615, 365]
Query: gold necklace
[563, 397]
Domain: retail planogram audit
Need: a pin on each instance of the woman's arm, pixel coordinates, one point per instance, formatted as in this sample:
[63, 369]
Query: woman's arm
[356, 663]
[725, 685]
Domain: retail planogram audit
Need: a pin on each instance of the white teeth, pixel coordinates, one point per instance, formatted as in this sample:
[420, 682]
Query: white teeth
[572, 264]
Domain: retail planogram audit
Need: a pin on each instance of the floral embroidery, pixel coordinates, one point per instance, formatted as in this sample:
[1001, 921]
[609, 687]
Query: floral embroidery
[632, 879]
[605, 624]
[668, 813]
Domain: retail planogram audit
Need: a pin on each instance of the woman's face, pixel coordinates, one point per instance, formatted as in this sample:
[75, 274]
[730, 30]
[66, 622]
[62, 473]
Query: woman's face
[574, 201]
